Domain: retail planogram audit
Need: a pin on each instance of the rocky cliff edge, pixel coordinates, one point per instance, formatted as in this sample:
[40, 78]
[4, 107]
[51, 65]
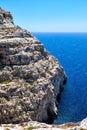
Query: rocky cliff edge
[33, 125]
[30, 78]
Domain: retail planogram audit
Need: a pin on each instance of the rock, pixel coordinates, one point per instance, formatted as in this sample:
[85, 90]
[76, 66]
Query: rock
[84, 124]
[30, 78]
[5, 75]
[34, 125]
[6, 19]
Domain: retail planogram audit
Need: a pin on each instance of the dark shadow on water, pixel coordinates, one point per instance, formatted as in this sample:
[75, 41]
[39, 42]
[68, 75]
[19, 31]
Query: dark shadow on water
[71, 107]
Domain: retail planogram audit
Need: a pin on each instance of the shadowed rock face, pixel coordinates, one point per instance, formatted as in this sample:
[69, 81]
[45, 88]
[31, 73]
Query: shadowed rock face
[30, 78]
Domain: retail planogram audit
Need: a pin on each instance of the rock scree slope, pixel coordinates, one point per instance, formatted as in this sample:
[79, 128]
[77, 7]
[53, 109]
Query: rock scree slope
[31, 79]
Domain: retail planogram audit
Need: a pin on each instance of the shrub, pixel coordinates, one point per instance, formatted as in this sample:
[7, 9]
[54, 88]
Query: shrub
[31, 127]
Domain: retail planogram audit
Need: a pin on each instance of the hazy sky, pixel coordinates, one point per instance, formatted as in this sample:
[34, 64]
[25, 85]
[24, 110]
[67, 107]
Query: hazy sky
[49, 15]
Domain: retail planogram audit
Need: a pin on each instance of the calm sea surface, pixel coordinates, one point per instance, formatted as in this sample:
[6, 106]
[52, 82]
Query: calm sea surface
[71, 50]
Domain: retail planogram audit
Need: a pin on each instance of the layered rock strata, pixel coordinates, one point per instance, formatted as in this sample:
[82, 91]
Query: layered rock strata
[30, 78]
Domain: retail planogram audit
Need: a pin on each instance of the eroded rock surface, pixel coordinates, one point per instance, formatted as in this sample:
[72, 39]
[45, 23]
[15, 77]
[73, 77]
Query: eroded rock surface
[33, 125]
[30, 78]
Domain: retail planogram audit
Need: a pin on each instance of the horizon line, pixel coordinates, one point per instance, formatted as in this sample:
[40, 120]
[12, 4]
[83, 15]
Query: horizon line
[54, 32]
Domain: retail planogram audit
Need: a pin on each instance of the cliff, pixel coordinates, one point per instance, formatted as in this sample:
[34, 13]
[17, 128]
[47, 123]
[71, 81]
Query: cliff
[31, 79]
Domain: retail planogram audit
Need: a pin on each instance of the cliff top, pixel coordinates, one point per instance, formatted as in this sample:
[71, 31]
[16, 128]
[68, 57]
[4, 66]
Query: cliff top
[6, 19]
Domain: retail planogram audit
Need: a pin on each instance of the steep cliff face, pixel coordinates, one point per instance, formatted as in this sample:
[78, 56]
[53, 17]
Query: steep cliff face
[30, 78]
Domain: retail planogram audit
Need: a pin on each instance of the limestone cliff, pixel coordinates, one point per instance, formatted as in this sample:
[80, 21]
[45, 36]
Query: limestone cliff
[30, 78]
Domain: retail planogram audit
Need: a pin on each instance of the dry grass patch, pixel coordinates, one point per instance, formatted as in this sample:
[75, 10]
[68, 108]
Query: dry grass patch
[71, 125]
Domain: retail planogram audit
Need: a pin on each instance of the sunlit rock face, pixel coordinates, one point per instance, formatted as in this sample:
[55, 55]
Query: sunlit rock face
[6, 18]
[30, 78]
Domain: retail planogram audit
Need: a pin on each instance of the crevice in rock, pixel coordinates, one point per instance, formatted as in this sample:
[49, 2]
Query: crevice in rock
[51, 115]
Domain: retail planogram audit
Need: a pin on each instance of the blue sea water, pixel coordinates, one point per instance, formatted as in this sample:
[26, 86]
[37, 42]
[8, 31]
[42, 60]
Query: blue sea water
[71, 50]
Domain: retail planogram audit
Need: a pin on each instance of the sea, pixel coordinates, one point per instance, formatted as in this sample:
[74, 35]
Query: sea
[71, 51]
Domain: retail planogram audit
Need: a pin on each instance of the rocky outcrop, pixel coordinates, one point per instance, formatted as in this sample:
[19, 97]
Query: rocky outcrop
[33, 125]
[30, 78]
[6, 19]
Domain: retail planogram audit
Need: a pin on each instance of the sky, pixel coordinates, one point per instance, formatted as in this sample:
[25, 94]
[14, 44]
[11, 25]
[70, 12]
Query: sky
[48, 15]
